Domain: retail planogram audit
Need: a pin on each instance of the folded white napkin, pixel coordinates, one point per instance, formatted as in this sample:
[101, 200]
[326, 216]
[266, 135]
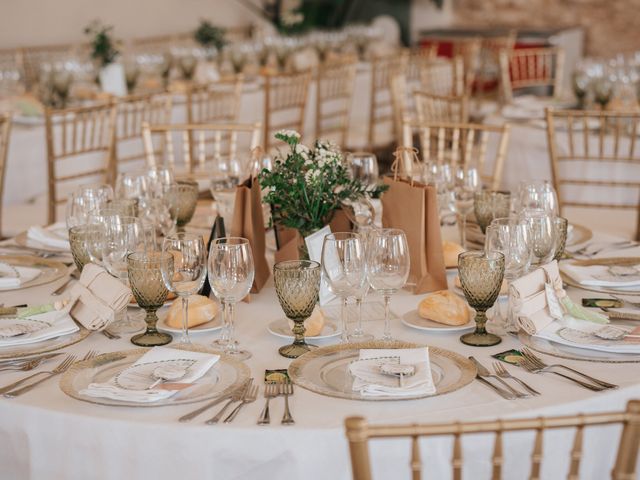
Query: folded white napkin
[579, 334]
[55, 236]
[137, 381]
[370, 382]
[528, 300]
[57, 323]
[599, 276]
[12, 277]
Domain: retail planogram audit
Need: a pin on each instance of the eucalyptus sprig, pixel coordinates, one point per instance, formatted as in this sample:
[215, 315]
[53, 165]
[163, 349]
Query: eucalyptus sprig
[306, 186]
[103, 46]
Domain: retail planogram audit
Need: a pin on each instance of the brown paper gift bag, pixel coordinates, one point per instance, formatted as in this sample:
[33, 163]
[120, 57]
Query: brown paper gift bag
[248, 222]
[289, 238]
[413, 207]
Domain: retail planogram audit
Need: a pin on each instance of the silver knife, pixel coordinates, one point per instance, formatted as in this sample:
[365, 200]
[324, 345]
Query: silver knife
[484, 374]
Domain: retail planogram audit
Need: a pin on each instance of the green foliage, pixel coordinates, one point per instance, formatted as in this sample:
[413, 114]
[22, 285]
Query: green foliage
[103, 47]
[208, 35]
[307, 186]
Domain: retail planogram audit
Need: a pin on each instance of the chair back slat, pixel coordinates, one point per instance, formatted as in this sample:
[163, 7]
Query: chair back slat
[531, 67]
[443, 76]
[441, 108]
[416, 461]
[359, 433]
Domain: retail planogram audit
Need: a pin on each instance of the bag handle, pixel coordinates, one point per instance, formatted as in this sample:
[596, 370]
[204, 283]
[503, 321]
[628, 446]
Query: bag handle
[399, 159]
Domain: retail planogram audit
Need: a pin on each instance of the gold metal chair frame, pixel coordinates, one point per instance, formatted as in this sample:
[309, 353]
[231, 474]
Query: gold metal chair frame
[460, 144]
[531, 67]
[5, 129]
[285, 93]
[82, 131]
[334, 95]
[359, 432]
[194, 143]
[217, 102]
[613, 129]
[443, 76]
[441, 108]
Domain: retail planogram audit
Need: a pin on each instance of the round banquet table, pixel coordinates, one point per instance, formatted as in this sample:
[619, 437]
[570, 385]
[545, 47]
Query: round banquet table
[46, 434]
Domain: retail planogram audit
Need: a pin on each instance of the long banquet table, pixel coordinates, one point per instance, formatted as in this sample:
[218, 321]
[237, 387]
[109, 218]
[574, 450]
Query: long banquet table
[46, 434]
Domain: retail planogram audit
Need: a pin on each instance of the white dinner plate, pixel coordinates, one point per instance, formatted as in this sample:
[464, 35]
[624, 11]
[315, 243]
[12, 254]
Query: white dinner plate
[280, 328]
[210, 326]
[413, 320]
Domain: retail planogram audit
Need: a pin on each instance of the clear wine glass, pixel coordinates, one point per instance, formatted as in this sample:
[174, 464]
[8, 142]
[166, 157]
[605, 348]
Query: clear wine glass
[84, 200]
[121, 236]
[188, 272]
[537, 195]
[388, 266]
[344, 269]
[133, 185]
[542, 235]
[364, 167]
[159, 179]
[231, 273]
[466, 184]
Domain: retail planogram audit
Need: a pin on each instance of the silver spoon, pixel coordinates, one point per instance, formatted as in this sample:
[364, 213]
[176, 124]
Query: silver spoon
[164, 373]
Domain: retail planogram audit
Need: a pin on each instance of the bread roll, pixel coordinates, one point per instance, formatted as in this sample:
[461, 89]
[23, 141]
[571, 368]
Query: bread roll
[314, 324]
[444, 307]
[451, 251]
[201, 310]
[504, 289]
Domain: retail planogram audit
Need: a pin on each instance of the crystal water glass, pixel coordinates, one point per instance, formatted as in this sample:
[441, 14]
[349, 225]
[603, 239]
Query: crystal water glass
[187, 274]
[481, 276]
[133, 185]
[364, 167]
[388, 265]
[84, 200]
[231, 274]
[297, 285]
[159, 179]
[536, 195]
[344, 269]
[490, 204]
[150, 292]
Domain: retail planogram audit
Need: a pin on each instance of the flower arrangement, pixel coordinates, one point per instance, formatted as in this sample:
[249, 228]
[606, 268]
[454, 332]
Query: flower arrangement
[209, 36]
[307, 185]
[103, 47]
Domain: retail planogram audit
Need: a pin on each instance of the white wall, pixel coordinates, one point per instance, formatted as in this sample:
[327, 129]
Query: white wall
[38, 22]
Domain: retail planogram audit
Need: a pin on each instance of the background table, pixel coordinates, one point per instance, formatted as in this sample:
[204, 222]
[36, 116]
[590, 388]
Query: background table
[49, 435]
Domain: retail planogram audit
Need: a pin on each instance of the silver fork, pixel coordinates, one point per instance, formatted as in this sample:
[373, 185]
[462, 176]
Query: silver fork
[62, 367]
[533, 368]
[24, 367]
[538, 361]
[250, 397]
[270, 391]
[501, 371]
[236, 397]
[286, 389]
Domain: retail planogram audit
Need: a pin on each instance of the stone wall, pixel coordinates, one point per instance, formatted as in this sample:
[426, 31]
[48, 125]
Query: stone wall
[610, 25]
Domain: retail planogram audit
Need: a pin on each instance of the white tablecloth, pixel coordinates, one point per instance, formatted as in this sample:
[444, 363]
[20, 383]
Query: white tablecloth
[49, 435]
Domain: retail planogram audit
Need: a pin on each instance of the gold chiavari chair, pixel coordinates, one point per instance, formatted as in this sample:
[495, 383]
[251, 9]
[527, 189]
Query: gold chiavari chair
[595, 155]
[187, 144]
[443, 76]
[80, 143]
[488, 74]
[5, 128]
[462, 144]
[401, 108]
[531, 67]
[334, 94]
[382, 119]
[441, 108]
[417, 57]
[132, 112]
[215, 102]
[359, 432]
[34, 57]
[467, 48]
[285, 102]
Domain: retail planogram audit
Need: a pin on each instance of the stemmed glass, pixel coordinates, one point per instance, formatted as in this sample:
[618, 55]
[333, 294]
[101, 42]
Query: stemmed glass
[364, 167]
[388, 266]
[231, 273]
[187, 273]
[561, 225]
[489, 204]
[538, 195]
[159, 179]
[344, 268]
[466, 183]
[297, 285]
[84, 200]
[542, 235]
[481, 277]
[133, 185]
[150, 291]
[119, 237]
[182, 198]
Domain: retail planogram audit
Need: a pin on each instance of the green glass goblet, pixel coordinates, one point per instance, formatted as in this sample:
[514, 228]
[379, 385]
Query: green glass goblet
[297, 285]
[481, 277]
[182, 198]
[561, 224]
[81, 237]
[149, 290]
[490, 204]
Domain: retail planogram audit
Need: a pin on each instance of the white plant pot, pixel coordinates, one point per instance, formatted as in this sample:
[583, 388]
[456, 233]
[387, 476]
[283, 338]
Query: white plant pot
[112, 80]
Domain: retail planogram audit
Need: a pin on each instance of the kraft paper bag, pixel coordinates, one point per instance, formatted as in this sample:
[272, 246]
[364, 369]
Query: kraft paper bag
[248, 222]
[413, 207]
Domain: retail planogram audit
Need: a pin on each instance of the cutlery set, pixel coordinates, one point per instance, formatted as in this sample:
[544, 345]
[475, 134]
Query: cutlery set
[532, 363]
[247, 393]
